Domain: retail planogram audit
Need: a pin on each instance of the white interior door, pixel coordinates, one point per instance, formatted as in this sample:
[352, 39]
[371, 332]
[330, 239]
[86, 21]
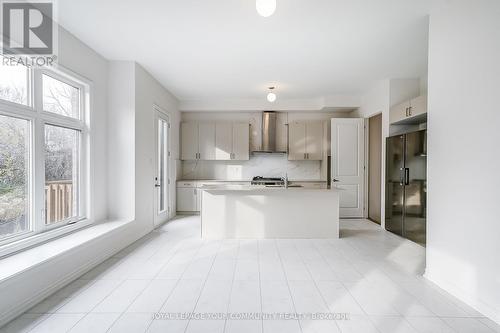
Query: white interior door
[348, 164]
[162, 183]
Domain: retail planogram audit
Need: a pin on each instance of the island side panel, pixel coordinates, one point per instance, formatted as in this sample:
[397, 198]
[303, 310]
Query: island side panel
[264, 214]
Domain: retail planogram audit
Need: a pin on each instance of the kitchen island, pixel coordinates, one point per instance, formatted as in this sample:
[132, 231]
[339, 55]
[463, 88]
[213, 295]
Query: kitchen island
[242, 211]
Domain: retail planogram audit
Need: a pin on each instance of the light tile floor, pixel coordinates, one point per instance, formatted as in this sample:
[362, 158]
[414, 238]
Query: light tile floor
[370, 274]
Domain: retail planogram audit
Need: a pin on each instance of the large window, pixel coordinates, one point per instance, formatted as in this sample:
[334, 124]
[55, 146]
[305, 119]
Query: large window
[62, 156]
[14, 84]
[43, 152]
[14, 176]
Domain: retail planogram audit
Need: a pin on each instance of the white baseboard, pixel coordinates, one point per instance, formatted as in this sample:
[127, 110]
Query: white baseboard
[474, 302]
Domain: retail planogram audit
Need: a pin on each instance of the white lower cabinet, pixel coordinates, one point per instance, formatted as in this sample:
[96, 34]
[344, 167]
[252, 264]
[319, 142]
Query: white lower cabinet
[187, 199]
[189, 193]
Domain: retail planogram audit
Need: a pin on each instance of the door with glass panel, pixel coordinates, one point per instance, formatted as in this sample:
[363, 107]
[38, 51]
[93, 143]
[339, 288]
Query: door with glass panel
[162, 182]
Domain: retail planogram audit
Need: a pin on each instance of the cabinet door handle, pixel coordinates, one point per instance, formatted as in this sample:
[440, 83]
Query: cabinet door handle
[305, 156]
[406, 112]
[409, 111]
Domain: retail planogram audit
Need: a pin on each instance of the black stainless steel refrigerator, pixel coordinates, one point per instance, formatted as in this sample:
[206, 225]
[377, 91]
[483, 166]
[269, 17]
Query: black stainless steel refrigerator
[406, 185]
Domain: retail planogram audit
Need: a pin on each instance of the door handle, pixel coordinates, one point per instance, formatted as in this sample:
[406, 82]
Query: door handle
[407, 176]
[402, 174]
[157, 185]
[409, 111]
[335, 180]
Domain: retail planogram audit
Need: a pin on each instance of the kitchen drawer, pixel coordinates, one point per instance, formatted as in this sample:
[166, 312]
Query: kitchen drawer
[187, 184]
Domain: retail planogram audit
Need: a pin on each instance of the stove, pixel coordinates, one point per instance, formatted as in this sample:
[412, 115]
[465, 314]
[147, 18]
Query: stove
[268, 181]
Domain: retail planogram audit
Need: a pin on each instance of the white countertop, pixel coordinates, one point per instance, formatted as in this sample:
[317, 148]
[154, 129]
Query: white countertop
[258, 188]
[244, 181]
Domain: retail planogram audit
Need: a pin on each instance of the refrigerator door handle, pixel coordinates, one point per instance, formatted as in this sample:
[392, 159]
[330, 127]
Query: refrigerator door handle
[407, 176]
[401, 176]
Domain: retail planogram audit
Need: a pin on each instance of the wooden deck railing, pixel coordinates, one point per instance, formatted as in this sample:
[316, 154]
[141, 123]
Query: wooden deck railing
[58, 200]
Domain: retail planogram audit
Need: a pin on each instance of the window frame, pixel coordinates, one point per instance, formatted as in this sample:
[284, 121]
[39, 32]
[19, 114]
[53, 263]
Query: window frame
[33, 112]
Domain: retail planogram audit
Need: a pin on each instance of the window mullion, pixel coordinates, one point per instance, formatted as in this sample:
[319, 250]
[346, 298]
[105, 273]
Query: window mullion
[39, 176]
[39, 149]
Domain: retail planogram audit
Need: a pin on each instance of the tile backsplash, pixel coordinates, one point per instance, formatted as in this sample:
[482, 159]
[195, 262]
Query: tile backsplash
[266, 165]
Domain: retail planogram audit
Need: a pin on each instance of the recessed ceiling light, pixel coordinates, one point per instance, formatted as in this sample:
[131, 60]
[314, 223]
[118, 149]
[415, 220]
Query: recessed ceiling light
[265, 8]
[271, 96]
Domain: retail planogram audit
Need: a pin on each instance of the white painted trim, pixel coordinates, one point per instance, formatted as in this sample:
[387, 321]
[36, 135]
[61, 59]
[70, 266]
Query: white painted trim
[366, 167]
[22, 243]
[474, 302]
[160, 113]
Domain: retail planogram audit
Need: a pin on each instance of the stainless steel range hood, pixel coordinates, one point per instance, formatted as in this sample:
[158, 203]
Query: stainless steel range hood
[269, 133]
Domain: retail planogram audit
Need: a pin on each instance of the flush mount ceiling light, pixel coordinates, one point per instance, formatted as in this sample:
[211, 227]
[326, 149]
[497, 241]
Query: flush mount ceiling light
[271, 96]
[265, 8]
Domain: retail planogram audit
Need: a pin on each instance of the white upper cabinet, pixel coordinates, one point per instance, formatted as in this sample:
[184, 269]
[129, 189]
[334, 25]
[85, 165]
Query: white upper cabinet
[241, 141]
[296, 140]
[189, 141]
[418, 106]
[305, 140]
[222, 141]
[314, 140]
[408, 109]
[198, 141]
[206, 141]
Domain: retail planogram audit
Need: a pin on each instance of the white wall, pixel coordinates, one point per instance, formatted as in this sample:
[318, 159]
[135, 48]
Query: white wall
[149, 92]
[463, 229]
[79, 58]
[121, 140]
[402, 90]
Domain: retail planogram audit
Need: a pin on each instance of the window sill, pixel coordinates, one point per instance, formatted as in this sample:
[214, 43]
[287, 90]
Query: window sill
[23, 243]
[19, 262]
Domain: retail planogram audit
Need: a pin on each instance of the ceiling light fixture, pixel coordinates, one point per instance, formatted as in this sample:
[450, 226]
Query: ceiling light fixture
[271, 96]
[265, 8]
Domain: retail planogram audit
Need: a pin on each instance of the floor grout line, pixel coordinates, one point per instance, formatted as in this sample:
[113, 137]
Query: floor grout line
[203, 285]
[176, 284]
[232, 285]
[287, 283]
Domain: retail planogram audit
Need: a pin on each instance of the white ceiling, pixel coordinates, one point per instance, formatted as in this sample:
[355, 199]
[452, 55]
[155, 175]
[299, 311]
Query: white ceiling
[223, 50]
